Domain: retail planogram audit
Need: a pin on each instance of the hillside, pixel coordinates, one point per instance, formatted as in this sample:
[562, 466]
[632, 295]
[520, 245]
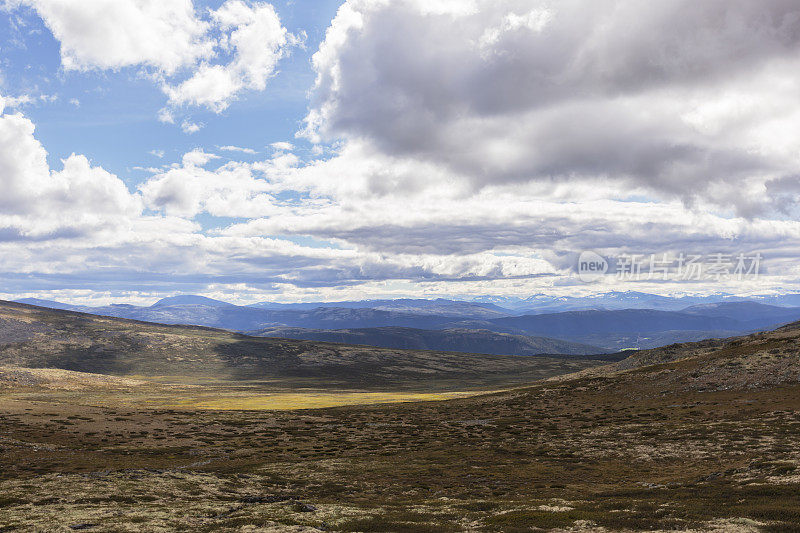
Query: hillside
[650, 328]
[700, 437]
[452, 340]
[753, 361]
[44, 338]
[239, 318]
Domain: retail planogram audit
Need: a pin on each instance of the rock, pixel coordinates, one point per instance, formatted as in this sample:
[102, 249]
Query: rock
[301, 507]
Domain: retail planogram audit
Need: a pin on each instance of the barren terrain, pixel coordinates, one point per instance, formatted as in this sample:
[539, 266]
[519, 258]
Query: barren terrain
[701, 437]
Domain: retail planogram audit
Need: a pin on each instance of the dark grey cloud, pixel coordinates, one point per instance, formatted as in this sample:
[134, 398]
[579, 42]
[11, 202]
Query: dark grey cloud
[521, 90]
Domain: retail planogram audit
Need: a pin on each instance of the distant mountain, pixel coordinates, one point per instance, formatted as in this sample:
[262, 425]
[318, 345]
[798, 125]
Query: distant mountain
[617, 300]
[626, 321]
[616, 329]
[753, 315]
[613, 329]
[212, 313]
[453, 340]
[438, 307]
[48, 303]
[649, 328]
[190, 300]
[545, 303]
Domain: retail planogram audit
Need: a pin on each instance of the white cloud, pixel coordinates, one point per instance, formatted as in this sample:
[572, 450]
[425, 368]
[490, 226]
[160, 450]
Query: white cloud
[476, 158]
[191, 127]
[166, 116]
[256, 40]
[238, 149]
[228, 191]
[112, 34]
[200, 58]
[282, 146]
[198, 158]
[18, 101]
[38, 201]
[614, 91]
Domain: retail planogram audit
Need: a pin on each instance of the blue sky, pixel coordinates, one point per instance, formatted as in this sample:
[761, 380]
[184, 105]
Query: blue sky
[116, 124]
[298, 151]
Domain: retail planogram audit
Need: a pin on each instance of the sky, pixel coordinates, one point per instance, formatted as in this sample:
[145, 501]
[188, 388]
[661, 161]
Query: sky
[311, 150]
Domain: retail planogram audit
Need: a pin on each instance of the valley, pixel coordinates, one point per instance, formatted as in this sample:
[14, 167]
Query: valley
[695, 437]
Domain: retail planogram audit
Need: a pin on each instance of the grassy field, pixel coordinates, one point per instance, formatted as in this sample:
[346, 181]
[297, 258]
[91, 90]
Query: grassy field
[219, 396]
[307, 400]
[581, 455]
[698, 437]
[629, 451]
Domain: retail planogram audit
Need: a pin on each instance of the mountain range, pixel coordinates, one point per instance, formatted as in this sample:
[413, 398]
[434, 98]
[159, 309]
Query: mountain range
[617, 300]
[477, 327]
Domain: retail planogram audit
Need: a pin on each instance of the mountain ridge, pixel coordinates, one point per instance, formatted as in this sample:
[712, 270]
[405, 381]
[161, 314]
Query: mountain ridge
[455, 340]
[609, 329]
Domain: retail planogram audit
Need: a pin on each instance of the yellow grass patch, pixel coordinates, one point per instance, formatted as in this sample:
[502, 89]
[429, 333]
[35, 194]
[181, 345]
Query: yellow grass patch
[312, 399]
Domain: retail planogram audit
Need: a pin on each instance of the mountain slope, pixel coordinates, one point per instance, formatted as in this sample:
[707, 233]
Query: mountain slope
[758, 360]
[454, 340]
[35, 337]
[196, 310]
[752, 315]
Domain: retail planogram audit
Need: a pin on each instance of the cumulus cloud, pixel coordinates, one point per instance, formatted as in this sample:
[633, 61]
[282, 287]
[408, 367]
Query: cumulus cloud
[282, 146]
[224, 51]
[231, 190]
[38, 201]
[112, 34]
[80, 227]
[615, 90]
[198, 158]
[255, 38]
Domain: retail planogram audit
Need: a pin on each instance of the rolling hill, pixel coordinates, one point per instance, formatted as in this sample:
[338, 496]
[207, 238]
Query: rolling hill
[451, 340]
[36, 337]
[199, 311]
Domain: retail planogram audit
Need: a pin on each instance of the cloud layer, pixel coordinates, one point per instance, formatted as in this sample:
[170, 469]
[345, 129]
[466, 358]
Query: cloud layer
[684, 99]
[459, 148]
